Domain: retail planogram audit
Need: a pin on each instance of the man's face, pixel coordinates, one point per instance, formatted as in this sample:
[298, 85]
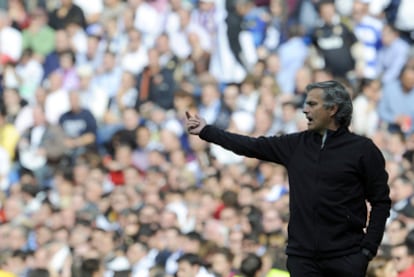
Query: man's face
[402, 260]
[185, 269]
[327, 12]
[319, 117]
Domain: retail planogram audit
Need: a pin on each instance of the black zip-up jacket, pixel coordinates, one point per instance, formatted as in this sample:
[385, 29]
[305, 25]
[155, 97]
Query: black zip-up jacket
[329, 185]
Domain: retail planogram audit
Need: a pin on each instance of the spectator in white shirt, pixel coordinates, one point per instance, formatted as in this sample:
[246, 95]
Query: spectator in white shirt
[135, 57]
[11, 43]
[57, 99]
[147, 21]
[179, 38]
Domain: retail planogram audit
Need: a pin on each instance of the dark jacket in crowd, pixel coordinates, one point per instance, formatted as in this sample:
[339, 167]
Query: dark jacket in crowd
[328, 185]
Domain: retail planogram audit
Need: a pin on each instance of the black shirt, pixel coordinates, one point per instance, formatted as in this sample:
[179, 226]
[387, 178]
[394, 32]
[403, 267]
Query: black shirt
[328, 187]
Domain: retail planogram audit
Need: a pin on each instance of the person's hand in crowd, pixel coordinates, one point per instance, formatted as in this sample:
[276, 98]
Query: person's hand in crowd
[404, 121]
[194, 123]
[70, 143]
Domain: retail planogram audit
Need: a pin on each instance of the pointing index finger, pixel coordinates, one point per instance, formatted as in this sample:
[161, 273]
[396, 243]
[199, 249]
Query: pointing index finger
[187, 114]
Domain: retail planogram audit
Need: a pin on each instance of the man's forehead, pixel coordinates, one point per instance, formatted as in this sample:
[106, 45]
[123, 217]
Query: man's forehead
[314, 94]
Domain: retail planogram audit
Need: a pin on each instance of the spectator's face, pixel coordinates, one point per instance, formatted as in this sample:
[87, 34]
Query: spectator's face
[209, 94]
[134, 39]
[184, 17]
[17, 239]
[191, 246]
[229, 217]
[66, 3]
[108, 61]
[388, 35]
[263, 120]
[135, 253]
[231, 94]
[74, 100]
[163, 44]
[373, 91]
[400, 189]
[402, 260]
[273, 64]
[61, 40]
[319, 117]
[38, 116]
[128, 80]
[359, 10]
[66, 61]
[407, 78]
[185, 269]
[396, 233]
[220, 264]
[143, 137]
[43, 235]
[13, 208]
[11, 97]
[271, 221]
[327, 12]
[55, 81]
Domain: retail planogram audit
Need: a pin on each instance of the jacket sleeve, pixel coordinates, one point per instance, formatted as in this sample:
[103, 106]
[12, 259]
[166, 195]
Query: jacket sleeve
[272, 149]
[377, 194]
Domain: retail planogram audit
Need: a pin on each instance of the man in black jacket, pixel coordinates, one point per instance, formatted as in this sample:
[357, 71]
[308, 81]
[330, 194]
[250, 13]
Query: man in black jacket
[332, 173]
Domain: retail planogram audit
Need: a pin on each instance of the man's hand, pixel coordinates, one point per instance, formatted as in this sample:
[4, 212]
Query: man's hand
[194, 124]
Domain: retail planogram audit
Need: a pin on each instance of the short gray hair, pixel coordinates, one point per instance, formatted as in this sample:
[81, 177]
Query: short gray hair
[334, 93]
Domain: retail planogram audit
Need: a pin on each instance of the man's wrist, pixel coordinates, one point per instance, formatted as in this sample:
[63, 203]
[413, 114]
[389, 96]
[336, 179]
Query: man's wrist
[367, 253]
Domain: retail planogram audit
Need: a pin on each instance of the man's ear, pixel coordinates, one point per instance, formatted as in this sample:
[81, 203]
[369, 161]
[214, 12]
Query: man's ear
[333, 110]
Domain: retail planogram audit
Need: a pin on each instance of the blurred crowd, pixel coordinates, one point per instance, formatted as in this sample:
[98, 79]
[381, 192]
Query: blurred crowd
[98, 176]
